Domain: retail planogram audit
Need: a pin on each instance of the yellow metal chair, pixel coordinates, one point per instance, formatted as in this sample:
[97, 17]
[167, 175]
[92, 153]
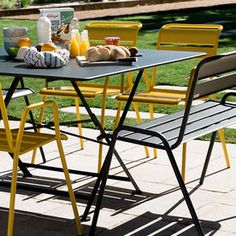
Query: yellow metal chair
[18, 142]
[179, 37]
[97, 31]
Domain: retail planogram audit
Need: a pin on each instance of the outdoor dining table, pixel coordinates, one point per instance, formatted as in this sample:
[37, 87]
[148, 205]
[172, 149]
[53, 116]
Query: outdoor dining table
[73, 72]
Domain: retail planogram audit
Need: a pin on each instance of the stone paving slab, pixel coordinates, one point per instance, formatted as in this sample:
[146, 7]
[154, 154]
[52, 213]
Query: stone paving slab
[160, 210]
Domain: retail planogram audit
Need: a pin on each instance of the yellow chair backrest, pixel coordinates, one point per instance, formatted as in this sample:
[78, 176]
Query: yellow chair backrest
[190, 37]
[127, 31]
[187, 37]
[4, 117]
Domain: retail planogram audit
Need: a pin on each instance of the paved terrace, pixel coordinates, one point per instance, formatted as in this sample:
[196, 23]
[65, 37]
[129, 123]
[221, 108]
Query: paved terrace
[160, 210]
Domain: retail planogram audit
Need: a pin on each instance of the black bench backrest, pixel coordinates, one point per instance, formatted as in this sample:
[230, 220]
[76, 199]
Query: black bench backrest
[212, 67]
[221, 70]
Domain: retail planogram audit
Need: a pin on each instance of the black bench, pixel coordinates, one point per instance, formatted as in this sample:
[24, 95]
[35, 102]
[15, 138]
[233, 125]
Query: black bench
[170, 131]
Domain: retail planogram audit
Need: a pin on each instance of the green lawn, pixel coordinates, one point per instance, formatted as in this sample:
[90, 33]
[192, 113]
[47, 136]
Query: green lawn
[175, 74]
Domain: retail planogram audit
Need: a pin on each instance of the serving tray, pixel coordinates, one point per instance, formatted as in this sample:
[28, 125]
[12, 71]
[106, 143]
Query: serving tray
[121, 61]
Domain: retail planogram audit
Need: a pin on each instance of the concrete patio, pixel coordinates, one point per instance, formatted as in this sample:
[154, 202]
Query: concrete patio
[160, 210]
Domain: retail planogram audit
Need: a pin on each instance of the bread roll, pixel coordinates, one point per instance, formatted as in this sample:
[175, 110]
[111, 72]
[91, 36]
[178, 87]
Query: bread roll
[126, 50]
[24, 42]
[110, 47]
[133, 51]
[99, 46]
[49, 47]
[93, 54]
[105, 53]
[117, 52]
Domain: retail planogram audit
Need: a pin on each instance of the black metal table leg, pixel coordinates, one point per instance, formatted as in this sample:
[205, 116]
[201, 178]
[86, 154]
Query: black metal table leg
[103, 133]
[212, 141]
[137, 189]
[106, 165]
[22, 167]
[32, 119]
[104, 175]
[12, 89]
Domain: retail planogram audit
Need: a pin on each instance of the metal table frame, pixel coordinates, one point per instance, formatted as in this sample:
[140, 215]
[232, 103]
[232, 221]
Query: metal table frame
[73, 73]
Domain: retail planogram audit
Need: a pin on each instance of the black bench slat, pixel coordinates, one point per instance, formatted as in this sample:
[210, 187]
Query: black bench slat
[202, 122]
[210, 129]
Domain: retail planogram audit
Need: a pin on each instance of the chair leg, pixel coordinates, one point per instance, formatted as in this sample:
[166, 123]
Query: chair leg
[117, 119]
[102, 124]
[184, 156]
[66, 172]
[12, 196]
[138, 117]
[151, 111]
[70, 189]
[79, 124]
[222, 138]
[184, 191]
[104, 94]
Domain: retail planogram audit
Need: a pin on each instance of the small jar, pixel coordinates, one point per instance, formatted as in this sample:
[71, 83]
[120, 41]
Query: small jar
[112, 41]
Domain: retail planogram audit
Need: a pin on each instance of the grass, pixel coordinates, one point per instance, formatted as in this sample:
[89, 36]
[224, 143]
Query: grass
[174, 74]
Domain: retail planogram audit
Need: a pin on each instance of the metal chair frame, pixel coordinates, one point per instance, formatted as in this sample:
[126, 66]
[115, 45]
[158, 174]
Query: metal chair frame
[18, 141]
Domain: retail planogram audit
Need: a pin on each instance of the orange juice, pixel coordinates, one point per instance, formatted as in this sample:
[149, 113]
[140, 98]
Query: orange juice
[84, 46]
[84, 43]
[74, 47]
[74, 43]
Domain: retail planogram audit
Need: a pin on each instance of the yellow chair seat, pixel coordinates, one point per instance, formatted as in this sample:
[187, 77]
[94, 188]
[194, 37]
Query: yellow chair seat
[29, 140]
[87, 91]
[150, 98]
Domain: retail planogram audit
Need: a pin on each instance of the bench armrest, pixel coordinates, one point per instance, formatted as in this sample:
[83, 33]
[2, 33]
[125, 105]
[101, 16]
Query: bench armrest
[225, 97]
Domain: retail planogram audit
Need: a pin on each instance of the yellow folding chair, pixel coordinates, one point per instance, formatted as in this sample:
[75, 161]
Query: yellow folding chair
[179, 37]
[97, 31]
[18, 142]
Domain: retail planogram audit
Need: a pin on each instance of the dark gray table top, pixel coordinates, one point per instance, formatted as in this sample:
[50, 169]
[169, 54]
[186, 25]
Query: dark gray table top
[73, 71]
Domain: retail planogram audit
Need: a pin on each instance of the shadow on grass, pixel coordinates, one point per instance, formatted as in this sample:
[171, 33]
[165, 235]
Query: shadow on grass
[225, 17]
